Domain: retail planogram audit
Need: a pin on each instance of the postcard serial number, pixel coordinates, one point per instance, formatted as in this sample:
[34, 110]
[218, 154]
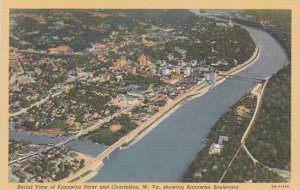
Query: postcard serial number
[280, 186]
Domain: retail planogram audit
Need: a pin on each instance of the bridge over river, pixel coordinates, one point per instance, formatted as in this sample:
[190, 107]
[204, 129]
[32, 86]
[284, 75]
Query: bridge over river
[69, 139]
[246, 77]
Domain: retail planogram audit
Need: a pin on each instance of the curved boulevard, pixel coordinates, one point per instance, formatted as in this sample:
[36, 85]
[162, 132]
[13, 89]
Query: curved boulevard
[165, 153]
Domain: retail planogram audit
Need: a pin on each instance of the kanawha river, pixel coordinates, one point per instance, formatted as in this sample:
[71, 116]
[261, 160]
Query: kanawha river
[165, 153]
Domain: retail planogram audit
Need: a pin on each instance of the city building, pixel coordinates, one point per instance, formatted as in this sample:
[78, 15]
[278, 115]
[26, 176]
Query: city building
[210, 76]
[187, 71]
[166, 71]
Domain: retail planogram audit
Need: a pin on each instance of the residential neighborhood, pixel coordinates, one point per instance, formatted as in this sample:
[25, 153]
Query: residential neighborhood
[56, 165]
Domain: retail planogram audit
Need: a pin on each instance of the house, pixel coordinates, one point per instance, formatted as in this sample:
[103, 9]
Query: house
[215, 148]
[119, 78]
[197, 174]
[265, 23]
[121, 62]
[170, 57]
[222, 139]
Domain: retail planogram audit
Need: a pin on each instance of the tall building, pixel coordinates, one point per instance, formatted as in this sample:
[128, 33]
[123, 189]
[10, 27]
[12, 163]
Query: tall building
[187, 71]
[211, 76]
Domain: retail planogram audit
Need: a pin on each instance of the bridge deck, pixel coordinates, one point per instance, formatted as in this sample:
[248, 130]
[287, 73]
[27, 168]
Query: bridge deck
[241, 76]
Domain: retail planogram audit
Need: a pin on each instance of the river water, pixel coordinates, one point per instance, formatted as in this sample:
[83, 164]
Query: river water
[165, 153]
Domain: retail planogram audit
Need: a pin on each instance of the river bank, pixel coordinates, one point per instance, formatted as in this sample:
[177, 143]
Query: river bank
[210, 163]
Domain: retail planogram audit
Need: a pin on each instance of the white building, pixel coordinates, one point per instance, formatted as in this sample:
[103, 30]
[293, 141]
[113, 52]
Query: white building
[193, 62]
[166, 71]
[210, 76]
[187, 71]
[197, 174]
[215, 148]
[222, 139]
[170, 57]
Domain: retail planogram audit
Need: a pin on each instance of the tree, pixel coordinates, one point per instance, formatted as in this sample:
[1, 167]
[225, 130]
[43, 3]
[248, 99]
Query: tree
[82, 162]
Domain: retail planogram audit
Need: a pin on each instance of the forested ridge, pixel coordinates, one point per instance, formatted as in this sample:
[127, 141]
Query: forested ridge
[270, 138]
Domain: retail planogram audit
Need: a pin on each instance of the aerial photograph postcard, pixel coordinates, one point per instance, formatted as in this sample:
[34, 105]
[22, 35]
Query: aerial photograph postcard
[149, 95]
